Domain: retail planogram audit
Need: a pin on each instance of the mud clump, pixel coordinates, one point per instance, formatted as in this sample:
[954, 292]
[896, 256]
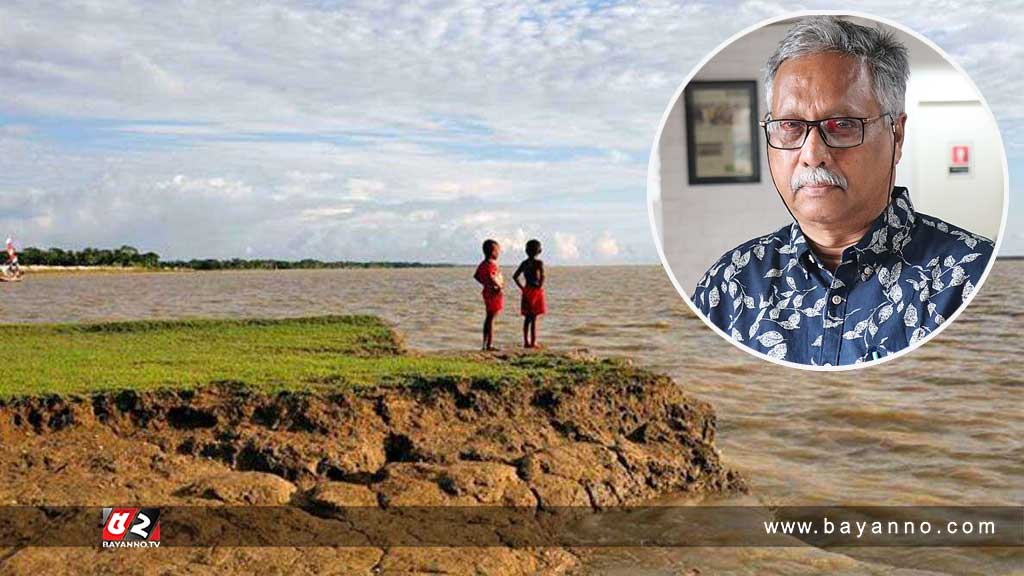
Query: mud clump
[609, 435]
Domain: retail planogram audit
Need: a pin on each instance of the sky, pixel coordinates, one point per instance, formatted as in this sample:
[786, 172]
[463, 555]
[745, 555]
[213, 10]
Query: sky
[377, 131]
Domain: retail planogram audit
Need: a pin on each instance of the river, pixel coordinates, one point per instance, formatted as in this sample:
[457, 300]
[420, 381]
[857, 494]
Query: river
[942, 425]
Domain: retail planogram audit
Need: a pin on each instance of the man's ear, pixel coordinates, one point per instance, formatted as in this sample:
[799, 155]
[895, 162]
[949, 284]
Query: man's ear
[899, 130]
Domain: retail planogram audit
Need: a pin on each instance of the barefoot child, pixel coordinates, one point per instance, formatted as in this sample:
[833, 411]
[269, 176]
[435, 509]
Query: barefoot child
[489, 275]
[533, 303]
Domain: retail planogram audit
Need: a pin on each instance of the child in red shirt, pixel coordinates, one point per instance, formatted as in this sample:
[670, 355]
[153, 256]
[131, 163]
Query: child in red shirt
[489, 276]
[533, 303]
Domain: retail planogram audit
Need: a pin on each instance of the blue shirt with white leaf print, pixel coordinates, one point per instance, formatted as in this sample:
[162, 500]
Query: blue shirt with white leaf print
[899, 283]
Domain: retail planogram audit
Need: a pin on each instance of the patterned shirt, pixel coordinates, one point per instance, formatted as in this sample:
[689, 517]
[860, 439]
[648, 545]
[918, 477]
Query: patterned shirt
[900, 282]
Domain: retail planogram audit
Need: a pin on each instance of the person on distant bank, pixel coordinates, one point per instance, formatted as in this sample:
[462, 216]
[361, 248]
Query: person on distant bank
[12, 254]
[859, 274]
[533, 303]
[10, 267]
[488, 274]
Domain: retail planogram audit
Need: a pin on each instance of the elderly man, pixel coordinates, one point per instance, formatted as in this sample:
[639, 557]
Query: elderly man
[859, 274]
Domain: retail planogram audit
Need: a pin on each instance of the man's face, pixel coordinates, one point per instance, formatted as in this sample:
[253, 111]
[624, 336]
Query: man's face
[826, 86]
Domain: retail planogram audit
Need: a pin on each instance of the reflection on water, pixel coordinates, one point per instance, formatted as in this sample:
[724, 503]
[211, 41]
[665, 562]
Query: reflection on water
[942, 425]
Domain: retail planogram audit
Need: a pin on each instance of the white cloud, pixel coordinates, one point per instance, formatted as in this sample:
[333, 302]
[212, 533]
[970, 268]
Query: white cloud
[325, 212]
[422, 215]
[513, 244]
[531, 72]
[311, 177]
[567, 247]
[607, 245]
[417, 118]
[470, 187]
[375, 220]
[216, 186]
[515, 66]
[482, 217]
[360, 189]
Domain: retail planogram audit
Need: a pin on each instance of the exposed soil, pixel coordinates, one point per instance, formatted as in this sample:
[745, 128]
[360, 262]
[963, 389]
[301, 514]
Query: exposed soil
[589, 442]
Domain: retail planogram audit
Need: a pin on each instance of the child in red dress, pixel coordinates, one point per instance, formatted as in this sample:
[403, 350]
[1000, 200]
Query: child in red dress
[533, 303]
[489, 276]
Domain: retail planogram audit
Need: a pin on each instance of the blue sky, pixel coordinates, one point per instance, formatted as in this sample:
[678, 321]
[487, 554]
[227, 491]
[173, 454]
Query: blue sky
[363, 131]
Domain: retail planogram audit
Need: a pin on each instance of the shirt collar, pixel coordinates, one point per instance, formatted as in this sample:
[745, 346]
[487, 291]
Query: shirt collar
[888, 233]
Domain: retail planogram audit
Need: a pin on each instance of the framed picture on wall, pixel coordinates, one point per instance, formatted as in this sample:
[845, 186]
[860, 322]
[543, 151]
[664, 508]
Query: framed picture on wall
[721, 132]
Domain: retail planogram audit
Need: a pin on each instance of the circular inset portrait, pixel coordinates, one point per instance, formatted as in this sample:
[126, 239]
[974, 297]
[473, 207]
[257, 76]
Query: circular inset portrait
[827, 191]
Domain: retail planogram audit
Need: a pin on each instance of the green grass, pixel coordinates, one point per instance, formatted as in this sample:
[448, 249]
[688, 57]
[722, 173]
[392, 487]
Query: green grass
[327, 352]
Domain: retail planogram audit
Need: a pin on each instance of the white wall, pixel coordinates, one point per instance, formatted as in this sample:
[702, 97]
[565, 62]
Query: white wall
[944, 111]
[697, 224]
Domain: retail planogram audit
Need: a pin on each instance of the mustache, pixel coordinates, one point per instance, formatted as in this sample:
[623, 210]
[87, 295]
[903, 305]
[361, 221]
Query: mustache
[817, 176]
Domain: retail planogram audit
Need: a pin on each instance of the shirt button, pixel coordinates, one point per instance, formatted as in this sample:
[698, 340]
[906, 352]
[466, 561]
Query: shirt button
[867, 272]
[837, 299]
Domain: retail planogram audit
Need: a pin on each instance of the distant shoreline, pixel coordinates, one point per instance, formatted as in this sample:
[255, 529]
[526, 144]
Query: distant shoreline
[128, 258]
[99, 269]
[51, 269]
[43, 269]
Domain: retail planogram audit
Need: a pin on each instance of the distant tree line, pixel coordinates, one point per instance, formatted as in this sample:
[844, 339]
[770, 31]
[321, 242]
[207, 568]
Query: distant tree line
[305, 264]
[123, 256]
[130, 257]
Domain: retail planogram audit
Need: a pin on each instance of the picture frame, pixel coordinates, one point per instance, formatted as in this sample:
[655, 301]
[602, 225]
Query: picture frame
[722, 142]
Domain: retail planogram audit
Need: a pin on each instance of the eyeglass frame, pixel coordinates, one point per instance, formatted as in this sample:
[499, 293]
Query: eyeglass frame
[808, 124]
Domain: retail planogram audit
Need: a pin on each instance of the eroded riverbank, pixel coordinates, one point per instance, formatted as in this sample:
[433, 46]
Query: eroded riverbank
[559, 430]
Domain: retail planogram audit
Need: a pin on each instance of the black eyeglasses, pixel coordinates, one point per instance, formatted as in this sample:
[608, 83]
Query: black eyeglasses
[842, 132]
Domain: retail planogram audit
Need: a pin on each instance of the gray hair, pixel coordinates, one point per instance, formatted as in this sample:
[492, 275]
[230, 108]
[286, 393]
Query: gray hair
[876, 49]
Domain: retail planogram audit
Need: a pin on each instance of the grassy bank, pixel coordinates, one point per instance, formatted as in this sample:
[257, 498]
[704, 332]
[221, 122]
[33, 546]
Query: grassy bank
[298, 353]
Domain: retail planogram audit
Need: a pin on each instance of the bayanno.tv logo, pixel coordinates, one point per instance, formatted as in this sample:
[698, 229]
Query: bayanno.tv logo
[131, 528]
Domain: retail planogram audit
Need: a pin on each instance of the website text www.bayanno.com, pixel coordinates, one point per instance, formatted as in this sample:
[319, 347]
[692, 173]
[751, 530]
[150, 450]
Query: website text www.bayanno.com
[895, 528]
[897, 525]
